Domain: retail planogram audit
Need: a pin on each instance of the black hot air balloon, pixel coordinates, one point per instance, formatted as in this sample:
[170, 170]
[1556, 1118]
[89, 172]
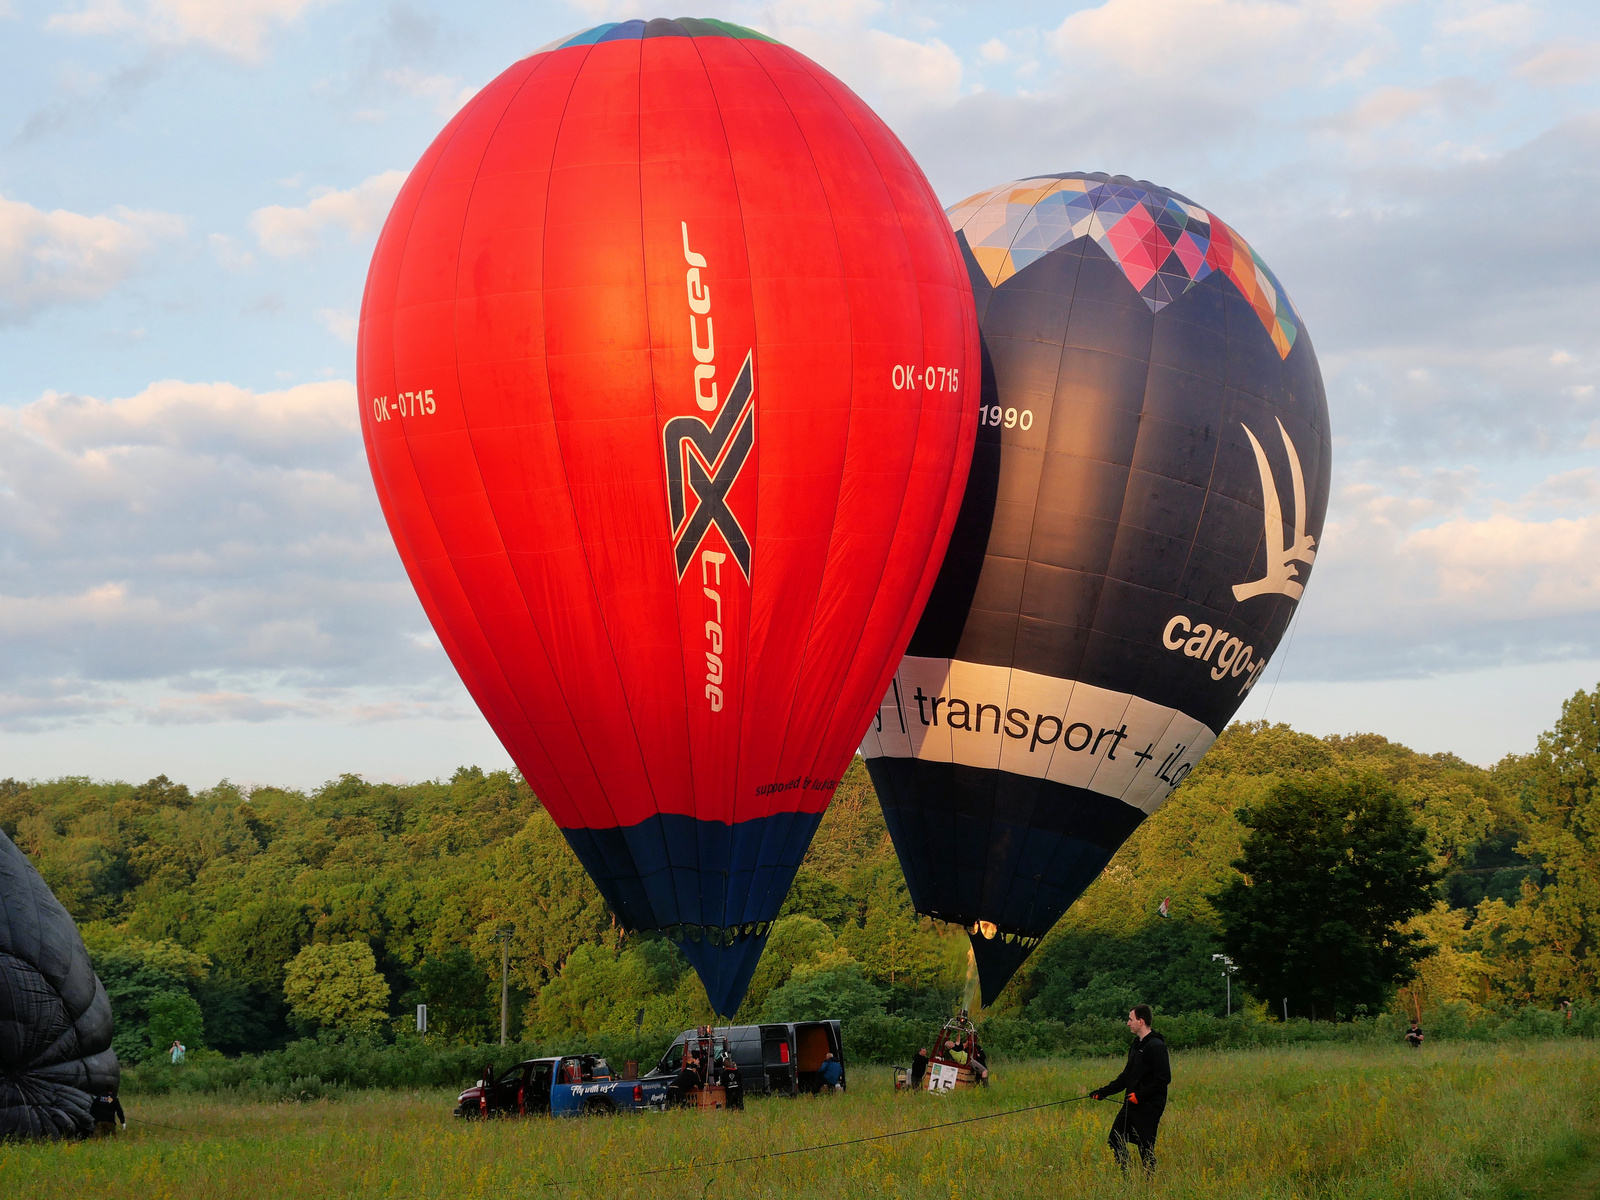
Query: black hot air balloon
[1146, 499]
[55, 1021]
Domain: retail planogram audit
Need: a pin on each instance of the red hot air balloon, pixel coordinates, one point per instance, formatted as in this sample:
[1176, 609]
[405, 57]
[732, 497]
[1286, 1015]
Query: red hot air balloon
[668, 379]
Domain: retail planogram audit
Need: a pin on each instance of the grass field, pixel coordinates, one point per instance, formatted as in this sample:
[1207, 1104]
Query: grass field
[1514, 1120]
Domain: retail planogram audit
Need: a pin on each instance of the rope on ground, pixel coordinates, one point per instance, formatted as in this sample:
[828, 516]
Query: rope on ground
[876, 1137]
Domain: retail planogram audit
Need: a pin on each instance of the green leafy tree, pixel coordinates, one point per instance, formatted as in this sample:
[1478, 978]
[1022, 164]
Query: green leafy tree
[835, 987]
[258, 939]
[649, 985]
[890, 943]
[1551, 939]
[795, 940]
[814, 895]
[1334, 867]
[462, 1002]
[1164, 963]
[539, 887]
[337, 987]
[143, 979]
[174, 1016]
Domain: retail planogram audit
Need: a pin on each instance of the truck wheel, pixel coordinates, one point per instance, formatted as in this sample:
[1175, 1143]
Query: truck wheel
[595, 1106]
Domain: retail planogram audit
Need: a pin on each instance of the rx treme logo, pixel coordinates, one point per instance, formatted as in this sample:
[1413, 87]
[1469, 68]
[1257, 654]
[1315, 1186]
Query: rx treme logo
[704, 461]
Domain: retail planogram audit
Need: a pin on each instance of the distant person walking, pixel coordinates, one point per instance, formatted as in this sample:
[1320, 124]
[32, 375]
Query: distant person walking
[1145, 1080]
[1414, 1036]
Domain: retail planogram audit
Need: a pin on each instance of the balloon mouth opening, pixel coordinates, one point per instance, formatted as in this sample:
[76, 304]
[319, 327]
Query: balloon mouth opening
[991, 932]
[718, 935]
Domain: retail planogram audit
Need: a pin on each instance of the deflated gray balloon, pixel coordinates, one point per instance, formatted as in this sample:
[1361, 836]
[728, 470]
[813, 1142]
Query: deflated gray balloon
[55, 1020]
[1145, 503]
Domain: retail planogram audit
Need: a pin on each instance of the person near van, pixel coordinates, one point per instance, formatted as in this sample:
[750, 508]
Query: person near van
[919, 1067]
[733, 1086]
[1145, 1080]
[831, 1073]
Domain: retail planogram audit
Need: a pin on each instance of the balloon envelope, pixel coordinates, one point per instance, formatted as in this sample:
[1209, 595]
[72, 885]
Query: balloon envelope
[667, 371]
[1145, 503]
[55, 1020]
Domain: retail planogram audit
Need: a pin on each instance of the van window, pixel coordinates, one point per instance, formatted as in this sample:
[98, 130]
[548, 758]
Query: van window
[673, 1058]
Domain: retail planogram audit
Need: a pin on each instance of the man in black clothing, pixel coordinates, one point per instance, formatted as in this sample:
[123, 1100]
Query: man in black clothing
[733, 1086]
[1145, 1080]
[106, 1110]
[683, 1083]
[919, 1067]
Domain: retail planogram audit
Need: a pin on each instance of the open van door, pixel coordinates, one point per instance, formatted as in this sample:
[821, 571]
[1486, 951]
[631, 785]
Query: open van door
[778, 1059]
[814, 1041]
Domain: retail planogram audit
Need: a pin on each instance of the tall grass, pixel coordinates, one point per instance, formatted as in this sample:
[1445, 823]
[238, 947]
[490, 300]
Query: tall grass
[1342, 1122]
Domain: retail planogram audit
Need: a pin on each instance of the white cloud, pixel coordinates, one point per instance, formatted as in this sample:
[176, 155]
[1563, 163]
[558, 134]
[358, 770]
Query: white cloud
[201, 542]
[1414, 577]
[229, 254]
[1386, 107]
[63, 257]
[1488, 26]
[893, 73]
[1174, 39]
[994, 51]
[1503, 567]
[1561, 64]
[358, 212]
[445, 92]
[339, 322]
[236, 27]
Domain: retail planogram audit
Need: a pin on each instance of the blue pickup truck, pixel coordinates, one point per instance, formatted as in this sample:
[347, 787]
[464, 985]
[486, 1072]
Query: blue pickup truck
[778, 1059]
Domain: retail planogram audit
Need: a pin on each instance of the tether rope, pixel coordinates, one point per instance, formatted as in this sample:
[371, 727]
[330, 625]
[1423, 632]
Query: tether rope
[876, 1137]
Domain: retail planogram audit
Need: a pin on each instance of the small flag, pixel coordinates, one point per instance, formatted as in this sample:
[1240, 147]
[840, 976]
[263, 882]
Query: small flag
[1165, 900]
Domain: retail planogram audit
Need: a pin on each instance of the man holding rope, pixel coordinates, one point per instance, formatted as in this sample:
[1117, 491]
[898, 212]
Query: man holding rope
[1145, 1080]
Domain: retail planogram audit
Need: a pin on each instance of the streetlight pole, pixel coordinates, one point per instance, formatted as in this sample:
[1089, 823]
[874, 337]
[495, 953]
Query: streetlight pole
[1227, 976]
[503, 936]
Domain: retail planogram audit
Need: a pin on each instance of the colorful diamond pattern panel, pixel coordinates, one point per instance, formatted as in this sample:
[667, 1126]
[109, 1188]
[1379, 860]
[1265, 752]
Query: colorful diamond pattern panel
[1164, 243]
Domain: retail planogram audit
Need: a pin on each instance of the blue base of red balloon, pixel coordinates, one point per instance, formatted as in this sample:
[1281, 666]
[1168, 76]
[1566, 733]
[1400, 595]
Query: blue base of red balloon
[652, 876]
[986, 845]
[725, 970]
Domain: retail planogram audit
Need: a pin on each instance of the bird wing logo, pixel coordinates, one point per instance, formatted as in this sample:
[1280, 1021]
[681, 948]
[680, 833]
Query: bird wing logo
[1282, 574]
[705, 461]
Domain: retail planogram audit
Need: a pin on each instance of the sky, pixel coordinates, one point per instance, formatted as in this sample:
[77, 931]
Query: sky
[195, 578]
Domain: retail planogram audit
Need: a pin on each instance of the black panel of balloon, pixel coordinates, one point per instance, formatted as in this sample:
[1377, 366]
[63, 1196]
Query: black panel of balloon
[55, 1020]
[1145, 505]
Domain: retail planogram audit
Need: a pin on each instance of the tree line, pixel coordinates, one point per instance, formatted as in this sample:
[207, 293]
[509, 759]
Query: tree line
[1343, 876]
